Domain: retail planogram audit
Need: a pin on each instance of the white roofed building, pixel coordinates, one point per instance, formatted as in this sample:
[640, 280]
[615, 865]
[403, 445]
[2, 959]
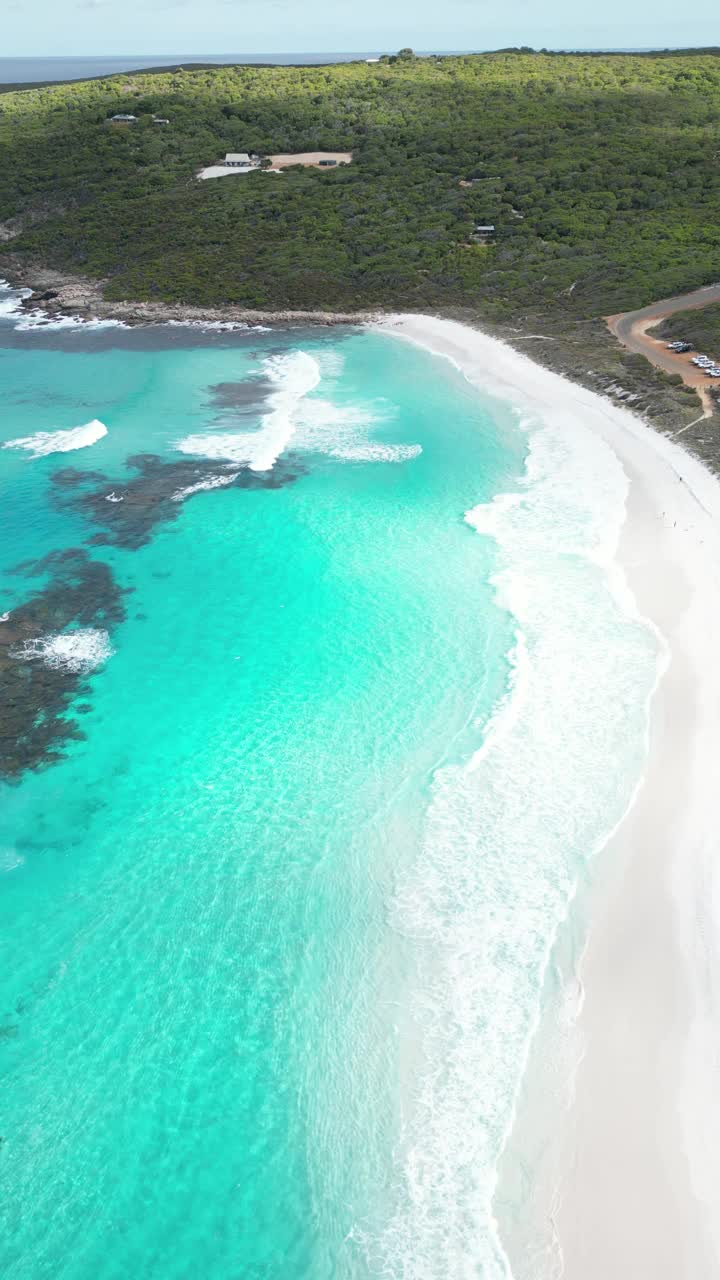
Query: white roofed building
[234, 162]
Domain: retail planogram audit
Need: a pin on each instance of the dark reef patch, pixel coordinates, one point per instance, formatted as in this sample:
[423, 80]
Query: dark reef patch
[127, 511]
[79, 592]
[70, 477]
[241, 398]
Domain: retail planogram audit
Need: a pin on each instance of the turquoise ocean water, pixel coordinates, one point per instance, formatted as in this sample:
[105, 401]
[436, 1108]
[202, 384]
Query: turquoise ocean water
[273, 928]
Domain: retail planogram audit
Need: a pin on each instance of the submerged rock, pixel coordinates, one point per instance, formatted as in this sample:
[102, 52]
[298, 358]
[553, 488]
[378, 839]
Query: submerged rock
[127, 511]
[48, 647]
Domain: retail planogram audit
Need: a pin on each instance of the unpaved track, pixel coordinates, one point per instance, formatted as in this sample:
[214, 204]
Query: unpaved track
[631, 328]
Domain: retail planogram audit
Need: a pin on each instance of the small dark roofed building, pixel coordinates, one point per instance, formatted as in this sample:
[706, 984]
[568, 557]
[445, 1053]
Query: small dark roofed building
[326, 164]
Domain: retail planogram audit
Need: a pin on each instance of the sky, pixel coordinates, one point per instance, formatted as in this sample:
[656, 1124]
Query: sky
[65, 27]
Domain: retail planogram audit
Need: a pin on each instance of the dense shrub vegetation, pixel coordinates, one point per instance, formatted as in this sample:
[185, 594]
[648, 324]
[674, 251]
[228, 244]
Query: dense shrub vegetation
[601, 173]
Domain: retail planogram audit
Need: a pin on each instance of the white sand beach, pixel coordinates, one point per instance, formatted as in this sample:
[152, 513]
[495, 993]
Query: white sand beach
[613, 1166]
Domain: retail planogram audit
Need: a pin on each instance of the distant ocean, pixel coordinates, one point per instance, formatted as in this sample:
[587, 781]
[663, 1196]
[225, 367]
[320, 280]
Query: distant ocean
[39, 70]
[317, 699]
[33, 70]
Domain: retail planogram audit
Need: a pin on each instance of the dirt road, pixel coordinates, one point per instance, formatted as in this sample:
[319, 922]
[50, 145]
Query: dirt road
[631, 328]
[312, 158]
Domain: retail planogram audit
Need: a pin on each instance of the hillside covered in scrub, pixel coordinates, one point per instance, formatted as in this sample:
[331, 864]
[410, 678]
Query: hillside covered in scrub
[601, 175]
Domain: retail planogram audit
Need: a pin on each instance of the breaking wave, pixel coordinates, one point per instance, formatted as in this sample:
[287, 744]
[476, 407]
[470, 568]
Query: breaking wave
[212, 482]
[507, 836]
[11, 299]
[26, 321]
[30, 320]
[74, 651]
[218, 326]
[313, 425]
[8, 307]
[231, 447]
[44, 442]
[293, 376]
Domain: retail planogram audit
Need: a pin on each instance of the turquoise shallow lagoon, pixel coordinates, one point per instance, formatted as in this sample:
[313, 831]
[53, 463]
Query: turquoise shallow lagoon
[219, 904]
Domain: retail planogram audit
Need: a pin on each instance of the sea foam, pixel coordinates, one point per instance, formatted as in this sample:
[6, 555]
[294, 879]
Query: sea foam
[218, 326]
[212, 482]
[344, 432]
[10, 301]
[507, 836]
[310, 424]
[44, 442]
[27, 321]
[73, 651]
[293, 376]
[375, 452]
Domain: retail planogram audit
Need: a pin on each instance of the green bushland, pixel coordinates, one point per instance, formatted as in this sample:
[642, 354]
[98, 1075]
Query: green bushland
[701, 327]
[602, 174]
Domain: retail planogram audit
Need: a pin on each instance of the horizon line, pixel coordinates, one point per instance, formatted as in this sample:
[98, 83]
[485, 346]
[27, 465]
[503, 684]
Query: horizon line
[299, 53]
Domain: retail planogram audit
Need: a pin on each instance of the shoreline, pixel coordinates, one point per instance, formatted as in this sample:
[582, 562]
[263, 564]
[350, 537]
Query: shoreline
[646, 1029]
[616, 1166]
[589, 356]
[83, 299]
